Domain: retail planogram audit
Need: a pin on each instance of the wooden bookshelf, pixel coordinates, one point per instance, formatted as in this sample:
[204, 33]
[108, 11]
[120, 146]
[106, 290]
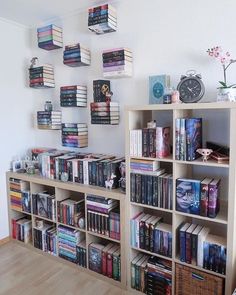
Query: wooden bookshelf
[61, 189]
[224, 224]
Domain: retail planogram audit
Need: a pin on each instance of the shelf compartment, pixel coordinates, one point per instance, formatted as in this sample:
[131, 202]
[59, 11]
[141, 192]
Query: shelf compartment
[151, 253]
[209, 162]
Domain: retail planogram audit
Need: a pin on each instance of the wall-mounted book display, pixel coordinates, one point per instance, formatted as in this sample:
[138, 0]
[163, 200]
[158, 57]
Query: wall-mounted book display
[50, 37]
[102, 19]
[117, 63]
[41, 77]
[100, 90]
[49, 120]
[105, 113]
[75, 135]
[76, 55]
[73, 96]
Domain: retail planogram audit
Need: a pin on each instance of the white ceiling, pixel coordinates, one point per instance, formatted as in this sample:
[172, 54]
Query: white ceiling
[33, 12]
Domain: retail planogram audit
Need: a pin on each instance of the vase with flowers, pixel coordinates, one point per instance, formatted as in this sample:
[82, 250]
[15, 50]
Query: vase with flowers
[225, 92]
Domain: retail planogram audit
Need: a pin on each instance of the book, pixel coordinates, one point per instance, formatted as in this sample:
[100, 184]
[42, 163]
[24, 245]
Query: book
[157, 85]
[214, 198]
[204, 196]
[95, 257]
[193, 128]
[188, 195]
[162, 142]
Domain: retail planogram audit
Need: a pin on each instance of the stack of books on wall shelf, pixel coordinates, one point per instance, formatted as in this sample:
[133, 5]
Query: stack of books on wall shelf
[44, 205]
[42, 76]
[102, 19]
[49, 120]
[19, 195]
[105, 259]
[117, 63]
[74, 135]
[103, 216]
[76, 55]
[188, 138]
[100, 90]
[105, 113]
[22, 228]
[198, 197]
[86, 168]
[150, 142]
[73, 96]
[152, 188]
[151, 274]
[45, 237]
[148, 232]
[50, 37]
[68, 239]
[81, 254]
[199, 247]
[71, 212]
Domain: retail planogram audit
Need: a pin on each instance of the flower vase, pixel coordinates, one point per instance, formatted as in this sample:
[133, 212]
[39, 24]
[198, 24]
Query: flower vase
[226, 94]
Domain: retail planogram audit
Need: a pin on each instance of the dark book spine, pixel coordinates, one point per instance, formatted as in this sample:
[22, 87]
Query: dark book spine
[182, 246]
[155, 191]
[152, 142]
[149, 192]
[132, 188]
[213, 201]
[144, 184]
[188, 248]
[142, 227]
[138, 188]
[145, 147]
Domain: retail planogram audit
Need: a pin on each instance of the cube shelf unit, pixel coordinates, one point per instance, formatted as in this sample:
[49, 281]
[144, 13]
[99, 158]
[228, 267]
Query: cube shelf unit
[219, 121]
[63, 190]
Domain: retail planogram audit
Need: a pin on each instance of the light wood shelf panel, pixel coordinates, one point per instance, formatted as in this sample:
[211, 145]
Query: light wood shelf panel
[73, 227]
[152, 253]
[151, 207]
[103, 237]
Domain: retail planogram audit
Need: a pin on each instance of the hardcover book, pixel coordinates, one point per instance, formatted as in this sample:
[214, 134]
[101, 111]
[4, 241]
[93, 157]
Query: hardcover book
[157, 85]
[188, 195]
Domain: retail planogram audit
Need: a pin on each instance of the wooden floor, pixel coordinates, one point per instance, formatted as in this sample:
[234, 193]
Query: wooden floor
[25, 272]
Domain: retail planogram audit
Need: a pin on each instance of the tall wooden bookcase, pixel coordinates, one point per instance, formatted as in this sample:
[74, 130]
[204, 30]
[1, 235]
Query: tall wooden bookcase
[63, 190]
[219, 123]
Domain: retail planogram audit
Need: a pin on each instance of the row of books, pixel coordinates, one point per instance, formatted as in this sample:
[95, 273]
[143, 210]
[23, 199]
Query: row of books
[102, 19]
[150, 142]
[44, 205]
[49, 119]
[19, 195]
[22, 228]
[199, 247]
[198, 197]
[50, 37]
[71, 212]
[68, 239]
[74, 135]
[105, 113]
[151, 275]
[188, 138]
[76, 55]
[45, 238]
[42, 76]
[117, 62]
[73, 96]
[105, 259]
[150, 233]
[103, 216]
[81, 254]
[100, 89]
[154, 190]
[86, 168]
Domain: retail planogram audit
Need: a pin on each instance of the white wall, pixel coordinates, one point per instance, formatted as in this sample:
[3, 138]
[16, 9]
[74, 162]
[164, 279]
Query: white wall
[165, 36]
[16, 109]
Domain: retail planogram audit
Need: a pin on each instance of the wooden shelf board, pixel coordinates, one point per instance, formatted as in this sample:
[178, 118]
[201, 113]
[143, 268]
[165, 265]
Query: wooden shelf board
[73, 227]
[151, 207]
[151, 253]
[220, 218]
[44, 218]
[71, 186]
[103, 236]
[208, 163]
[200, 268]
[18, 210]
[182, 106]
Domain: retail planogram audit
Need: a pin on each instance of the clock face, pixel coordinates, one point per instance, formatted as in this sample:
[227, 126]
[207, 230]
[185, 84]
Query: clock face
[191, 89]
[158, 90]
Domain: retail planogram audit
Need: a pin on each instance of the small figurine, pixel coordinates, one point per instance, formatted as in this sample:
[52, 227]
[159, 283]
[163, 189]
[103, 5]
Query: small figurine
[34, 62]
[205, 153]
[109, 183]
[108, 96]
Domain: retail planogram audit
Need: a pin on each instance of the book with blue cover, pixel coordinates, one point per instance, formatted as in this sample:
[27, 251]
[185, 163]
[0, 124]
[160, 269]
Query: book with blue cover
[157, 85]
[188, 195]
[193, 128]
